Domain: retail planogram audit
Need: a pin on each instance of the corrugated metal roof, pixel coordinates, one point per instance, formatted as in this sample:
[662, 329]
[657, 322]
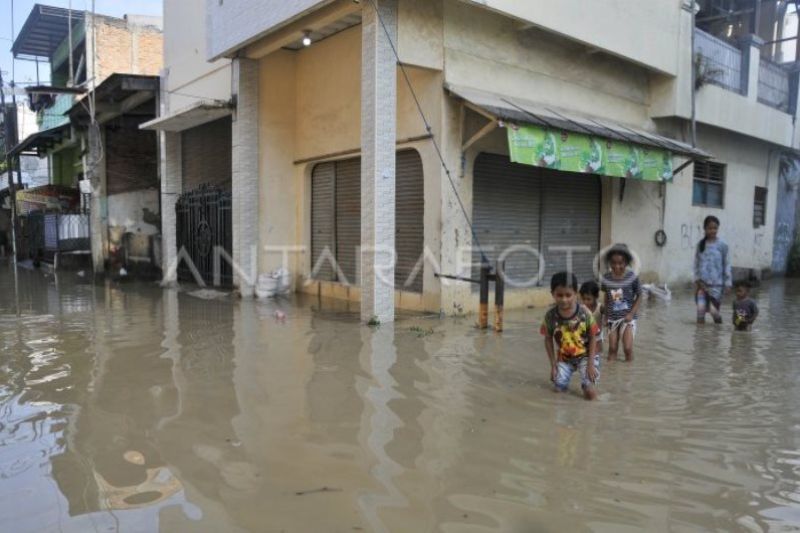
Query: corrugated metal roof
[518, 110]
[44, 30]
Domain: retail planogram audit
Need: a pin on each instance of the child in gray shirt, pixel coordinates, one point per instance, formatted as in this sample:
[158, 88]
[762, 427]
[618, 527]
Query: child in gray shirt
[745, 309]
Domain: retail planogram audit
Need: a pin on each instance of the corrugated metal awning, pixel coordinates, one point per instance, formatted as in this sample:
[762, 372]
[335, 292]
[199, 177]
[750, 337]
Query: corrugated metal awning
[198, 113]
[41, 141]
[517, 110]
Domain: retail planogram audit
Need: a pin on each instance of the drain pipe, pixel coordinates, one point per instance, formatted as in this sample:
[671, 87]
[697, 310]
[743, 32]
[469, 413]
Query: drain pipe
[694, 7]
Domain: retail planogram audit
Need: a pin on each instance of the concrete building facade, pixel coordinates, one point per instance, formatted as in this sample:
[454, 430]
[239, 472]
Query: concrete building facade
[332, 105]
[88, 118]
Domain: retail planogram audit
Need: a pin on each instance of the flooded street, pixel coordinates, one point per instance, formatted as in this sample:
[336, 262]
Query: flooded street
[129, 408]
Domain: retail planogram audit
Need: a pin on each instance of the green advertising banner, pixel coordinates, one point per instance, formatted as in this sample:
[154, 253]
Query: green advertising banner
[577, 152]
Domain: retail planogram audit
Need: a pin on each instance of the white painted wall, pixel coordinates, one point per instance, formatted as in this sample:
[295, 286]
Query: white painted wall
[189, 76]
[644, 32]
[636, 219]
[126, 210]
[488, 51]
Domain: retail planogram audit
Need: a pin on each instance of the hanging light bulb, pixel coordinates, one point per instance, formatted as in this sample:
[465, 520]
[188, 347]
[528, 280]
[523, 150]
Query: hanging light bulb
[307, 38]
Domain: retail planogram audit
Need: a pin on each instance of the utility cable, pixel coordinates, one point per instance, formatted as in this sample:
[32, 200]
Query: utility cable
[429, 130]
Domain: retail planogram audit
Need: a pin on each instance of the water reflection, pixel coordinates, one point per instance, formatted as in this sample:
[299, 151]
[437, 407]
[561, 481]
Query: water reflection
[125, 407]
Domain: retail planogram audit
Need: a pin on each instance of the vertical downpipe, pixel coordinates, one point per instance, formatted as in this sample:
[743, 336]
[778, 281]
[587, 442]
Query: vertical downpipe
[694, 76]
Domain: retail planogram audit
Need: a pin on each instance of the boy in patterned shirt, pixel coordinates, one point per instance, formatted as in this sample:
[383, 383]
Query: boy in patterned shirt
[570, 328]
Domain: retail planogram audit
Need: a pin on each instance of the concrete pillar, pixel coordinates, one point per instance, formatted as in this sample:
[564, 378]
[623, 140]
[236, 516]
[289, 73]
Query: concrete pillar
[245, 175]
[378, 139]
[94, 167]
[171, 188]
[751, 59]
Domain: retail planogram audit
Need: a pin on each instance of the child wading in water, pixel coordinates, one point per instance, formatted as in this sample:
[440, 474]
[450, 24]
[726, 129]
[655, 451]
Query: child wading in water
[570, 328]
[623, 297]
[745, 310]
[590, 297]
[712, 272]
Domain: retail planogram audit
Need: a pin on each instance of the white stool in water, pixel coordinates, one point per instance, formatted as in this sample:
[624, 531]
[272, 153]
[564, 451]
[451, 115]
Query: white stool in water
[277, 283]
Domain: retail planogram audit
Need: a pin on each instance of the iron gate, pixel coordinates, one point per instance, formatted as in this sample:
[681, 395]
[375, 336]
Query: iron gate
[204, 235]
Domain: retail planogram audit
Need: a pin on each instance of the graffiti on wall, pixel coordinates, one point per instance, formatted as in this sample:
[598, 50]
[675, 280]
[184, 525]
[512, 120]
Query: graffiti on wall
[690, 235]
[786, 208]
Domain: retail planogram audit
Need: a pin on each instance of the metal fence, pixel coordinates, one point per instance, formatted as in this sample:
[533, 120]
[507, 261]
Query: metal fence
[719, 62]
[204, 231]
[773, 85]
[47, 234]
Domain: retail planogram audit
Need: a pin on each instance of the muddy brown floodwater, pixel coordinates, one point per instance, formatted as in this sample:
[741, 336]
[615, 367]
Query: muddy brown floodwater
[129, 408]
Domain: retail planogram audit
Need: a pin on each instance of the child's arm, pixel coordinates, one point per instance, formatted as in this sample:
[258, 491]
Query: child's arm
[591, 371]
[755, 313]
[637, 301]
[551, 355]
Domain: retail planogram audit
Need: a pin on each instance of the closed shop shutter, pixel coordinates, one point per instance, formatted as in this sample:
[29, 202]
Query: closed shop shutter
[505, 213]
[570, 217]
[409, 219]
[206, 155]
[336, 218]
[322, 221]
[348, 217]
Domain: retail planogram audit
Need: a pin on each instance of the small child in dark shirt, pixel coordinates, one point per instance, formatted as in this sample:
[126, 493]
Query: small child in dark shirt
[745, 309]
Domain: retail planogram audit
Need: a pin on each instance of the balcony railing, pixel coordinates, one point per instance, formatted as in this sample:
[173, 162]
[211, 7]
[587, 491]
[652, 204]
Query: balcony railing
[720, 62]
[773, 85]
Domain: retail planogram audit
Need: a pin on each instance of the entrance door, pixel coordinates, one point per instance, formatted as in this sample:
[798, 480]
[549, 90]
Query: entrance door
[204, 217]
[204, 235]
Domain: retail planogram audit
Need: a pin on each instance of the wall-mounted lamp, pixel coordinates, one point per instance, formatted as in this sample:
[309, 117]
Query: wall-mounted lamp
[307, 38]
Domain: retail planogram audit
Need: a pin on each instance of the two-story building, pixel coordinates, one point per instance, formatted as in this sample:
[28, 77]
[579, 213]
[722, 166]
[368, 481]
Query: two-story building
[103, 82]
[447, 132]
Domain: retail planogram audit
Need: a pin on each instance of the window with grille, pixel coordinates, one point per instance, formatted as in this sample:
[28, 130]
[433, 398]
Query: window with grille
[709, 184]
[760, 207]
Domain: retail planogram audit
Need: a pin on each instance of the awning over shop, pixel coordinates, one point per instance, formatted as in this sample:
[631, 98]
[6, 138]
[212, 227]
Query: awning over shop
[561, 140]
[189, 117]
[41, 141]
[131, 95]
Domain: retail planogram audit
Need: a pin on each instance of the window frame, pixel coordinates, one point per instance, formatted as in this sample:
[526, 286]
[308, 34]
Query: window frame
[705, 180]
[764, 192]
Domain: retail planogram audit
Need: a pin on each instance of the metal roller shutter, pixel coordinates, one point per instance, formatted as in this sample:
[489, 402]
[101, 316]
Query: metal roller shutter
[206, 155]
[570, 217]
[322, 220]
[348, 217]
[505, 213]
[409, 219]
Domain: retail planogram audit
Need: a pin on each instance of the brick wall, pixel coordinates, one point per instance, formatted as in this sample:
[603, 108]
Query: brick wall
[131, 159]
[126, 48]
[150, 57]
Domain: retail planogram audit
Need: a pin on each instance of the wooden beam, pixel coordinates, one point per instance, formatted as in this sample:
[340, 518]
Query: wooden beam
[483, 132]
[129, 104]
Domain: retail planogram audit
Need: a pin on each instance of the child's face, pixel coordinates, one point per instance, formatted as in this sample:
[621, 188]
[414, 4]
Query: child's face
[564, 298]
[617, 264]
[711, 230]
[588, 300]
[742, 292]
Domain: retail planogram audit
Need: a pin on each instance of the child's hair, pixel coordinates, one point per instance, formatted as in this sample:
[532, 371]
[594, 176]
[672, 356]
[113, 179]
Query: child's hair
[621, 250]
[708, 220]
[563, 279]
[743, 283]
[590, 287]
